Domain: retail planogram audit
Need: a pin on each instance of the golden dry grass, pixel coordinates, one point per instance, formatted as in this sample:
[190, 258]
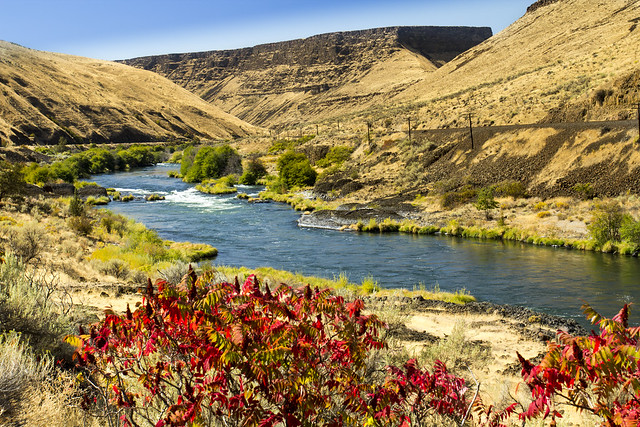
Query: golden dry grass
[49, 92]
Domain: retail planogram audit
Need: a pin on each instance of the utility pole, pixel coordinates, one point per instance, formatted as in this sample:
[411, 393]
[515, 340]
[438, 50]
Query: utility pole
[638, 107]
[369, 131]
[471, 131]
[317, 130]
[409, 120]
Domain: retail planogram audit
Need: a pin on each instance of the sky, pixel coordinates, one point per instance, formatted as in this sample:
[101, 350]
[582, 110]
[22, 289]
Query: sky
[122, 29]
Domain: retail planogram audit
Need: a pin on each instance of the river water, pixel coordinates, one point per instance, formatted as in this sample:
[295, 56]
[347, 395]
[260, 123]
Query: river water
[554, 281]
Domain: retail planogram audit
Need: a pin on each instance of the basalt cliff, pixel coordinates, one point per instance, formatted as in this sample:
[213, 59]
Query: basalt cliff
[318, 77]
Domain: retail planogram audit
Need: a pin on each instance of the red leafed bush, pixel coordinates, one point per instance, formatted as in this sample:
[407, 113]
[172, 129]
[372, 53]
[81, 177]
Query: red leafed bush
[599, 373]
[206, 353]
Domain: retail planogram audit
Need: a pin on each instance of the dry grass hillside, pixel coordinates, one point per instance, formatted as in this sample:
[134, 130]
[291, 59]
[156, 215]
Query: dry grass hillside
[565, 60]
[295, 82]
[46, 96]
[569, 60]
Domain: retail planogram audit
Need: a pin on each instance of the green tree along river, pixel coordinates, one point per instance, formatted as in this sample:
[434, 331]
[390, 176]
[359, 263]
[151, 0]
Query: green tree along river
[555, 281]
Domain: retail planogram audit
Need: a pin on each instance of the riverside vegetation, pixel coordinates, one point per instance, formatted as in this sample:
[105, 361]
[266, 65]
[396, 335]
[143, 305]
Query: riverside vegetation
[207, 325]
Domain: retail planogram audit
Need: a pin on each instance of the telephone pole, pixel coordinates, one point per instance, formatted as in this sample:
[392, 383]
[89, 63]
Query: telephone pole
[409, 122]
[471, 131]
[637, 105]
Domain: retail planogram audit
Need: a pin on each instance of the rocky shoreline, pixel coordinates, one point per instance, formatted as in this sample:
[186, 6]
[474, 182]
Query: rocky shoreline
[347, 215]
[536, 325]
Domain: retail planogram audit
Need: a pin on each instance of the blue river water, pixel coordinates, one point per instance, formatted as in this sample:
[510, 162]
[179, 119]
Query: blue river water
[555, 281]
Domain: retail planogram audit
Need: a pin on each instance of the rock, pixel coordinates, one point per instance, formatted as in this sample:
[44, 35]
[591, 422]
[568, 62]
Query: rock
[59, 190]
[540, 3]
[33, 190]
[92, 190]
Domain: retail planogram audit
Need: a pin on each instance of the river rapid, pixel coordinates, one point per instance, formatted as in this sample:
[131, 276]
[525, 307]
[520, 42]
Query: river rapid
[551, 280]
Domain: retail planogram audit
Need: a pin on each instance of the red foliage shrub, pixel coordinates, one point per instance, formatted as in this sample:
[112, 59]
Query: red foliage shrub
[203, 352]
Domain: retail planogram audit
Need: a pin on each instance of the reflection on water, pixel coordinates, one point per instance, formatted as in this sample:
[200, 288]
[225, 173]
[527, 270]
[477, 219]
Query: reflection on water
[555, 281]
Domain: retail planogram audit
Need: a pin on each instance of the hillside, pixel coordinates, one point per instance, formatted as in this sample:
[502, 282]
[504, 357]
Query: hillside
[564, 60]
[564, 65]
[318, 77]
[46, 96]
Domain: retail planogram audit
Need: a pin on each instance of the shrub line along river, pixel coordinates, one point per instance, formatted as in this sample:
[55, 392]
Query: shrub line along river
[554, 281]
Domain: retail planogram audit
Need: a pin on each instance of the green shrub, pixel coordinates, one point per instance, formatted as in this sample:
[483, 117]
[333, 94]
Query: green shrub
[584, 190]
[608, 218]
[81, 184]
[28, 241]
[95, 201]
[286, 144]
[127, 198]
[81, 225]
[453, 228]
[630, 231]
[452, 199]
[295, 170]
[175, 157]
[12, 181]
[154, 197]
[389, 226]
[33, 303]
[540, 206]
[76, 206]
[254, 171]
[211, 163]
[369, 285]
[515, 189]
[92, 161]
[485, 201]
[224, 185]
[335, 156]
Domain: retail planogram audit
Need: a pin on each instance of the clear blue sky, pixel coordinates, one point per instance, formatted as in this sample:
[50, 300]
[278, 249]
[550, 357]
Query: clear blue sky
[119, 29]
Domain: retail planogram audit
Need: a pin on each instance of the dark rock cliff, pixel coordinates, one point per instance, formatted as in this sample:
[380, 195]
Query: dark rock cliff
[540, 3]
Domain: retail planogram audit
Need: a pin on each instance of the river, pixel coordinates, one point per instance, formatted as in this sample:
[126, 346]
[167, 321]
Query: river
[551, 280]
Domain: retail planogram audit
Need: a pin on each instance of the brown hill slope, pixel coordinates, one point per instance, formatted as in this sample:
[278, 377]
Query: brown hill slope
[566, 60]
[318, 77]
[46, 96]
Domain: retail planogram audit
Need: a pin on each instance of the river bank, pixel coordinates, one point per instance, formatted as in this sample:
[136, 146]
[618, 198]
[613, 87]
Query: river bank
[482, 337]
[560, 222]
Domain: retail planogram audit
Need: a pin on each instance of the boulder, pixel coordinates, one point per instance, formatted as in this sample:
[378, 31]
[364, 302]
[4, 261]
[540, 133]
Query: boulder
[92, 190]
[59, 190]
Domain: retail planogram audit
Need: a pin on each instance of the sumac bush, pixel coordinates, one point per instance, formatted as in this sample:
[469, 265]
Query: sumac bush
[208, 353]
[599, 373]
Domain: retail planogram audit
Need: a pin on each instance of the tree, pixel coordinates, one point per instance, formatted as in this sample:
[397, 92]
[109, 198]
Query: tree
[295, 170]
[253, 172]
[607, 219]
[11, 179]
[211, 163]
[485, 201]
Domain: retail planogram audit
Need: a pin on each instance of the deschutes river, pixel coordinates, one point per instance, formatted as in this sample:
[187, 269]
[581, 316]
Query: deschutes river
[554, 281]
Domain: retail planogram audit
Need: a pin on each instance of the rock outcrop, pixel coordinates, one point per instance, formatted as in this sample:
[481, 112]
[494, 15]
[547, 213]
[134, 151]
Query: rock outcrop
[540, 3]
